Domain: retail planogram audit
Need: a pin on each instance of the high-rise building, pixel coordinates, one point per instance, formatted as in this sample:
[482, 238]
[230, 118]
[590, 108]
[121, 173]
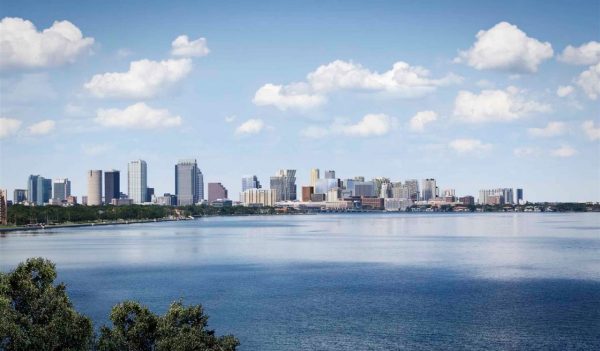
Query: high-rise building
[359, 178]
[326, 184]
[137, 181]
[39, 189]
[149, 194]
[330, 174]
[250, 182]
[519, 196]
[284, 182]
[189, 182]
[412, 186]
[307, 192]
[314, 177]
[112, 185]
[258, 197]
[362, 188]
[492, 196]
[216, 191]
[378, 182]
[3, 207]
[429, 189]
[61, 189]
[19, 195]
[94, 190]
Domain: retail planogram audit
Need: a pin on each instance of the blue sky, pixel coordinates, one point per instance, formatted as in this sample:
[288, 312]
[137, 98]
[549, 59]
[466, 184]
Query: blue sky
[307, 84]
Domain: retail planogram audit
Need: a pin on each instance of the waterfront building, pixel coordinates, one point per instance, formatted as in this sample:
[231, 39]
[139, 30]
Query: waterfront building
[19, 195]
[505, 193]
[112, 185]
[330, 174]
[94, 190]
[250, 182]
[3, 207]
[339, 205]
[284, 182]
[362, 188]
[467, 200]
[137, 181]
[167, 200]
[412, 187]
[397, 204]
[189, 182]
[216, 191]
[258, 197]
[520, 196]
[314, 176]
[372, 203]
[429, 189]
[61, 189]
[39, 189]
[307, 192]
[317, 197]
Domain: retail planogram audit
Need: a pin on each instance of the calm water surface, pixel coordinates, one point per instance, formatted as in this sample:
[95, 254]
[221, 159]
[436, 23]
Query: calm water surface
[347, 282]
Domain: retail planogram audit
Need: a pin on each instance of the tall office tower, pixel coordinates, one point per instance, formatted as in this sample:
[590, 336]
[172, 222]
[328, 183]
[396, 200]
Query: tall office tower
[216, 191]
[19, 195]
[314, 177]
[137, 181]
[62, 189]
[449, 192]
[359, 178]
[429, 189]
[507, 193]
[250, 182]
[363, 189]
[398, 191]
[519, 196]
[149, 194]
[386, 190]
[39, 189]
[326, 184]
[3, 207]
[413, 189]
[284, 182]
[94, 190]
[377, 182]
[189, 182]
[112, 185]
[330, 174]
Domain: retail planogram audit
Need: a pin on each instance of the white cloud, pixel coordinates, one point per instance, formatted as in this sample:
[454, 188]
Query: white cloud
[590, 130]
[314, 132]
[495, 105]
[293, 96]
[564, 151]
[417, 122]
[526, 151]
[589, 81]
[41, 128]
[505, 47]
[22, 46]
[563, 91]
[586, 54]
[464, 146]
[182, 46]
[144, 79]
[402, 80]
[369, 125]
[550, 130]
[9, 126]
[137, 116]
[251, 126]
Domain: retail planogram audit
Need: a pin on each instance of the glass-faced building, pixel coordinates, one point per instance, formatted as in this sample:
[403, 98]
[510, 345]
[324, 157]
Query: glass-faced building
[137, 181]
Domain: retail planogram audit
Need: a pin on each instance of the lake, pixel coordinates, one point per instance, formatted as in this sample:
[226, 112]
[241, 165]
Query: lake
[508, 281]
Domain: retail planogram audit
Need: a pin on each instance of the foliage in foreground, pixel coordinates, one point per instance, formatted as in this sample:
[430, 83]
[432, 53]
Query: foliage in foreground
[38, 315]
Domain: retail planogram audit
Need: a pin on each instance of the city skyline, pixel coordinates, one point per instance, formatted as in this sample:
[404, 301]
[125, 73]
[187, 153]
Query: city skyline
[411, 93]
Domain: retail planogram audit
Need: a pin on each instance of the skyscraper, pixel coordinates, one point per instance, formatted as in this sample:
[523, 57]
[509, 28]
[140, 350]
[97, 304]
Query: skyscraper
[250, 182]
[429, 189]
[112, 185]
[137, 180]
[284, 182]
[62, 189]
[519, 196]
[39, 189]
[314, 177]
[189, 182]
[330, 174]
[19, 195]
[94, 191]
[216, 191]
[412, 187]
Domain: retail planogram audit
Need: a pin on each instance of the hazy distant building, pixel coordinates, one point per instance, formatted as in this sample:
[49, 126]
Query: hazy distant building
[19, 195]
[137, 181]
[412, 187]
[467, 200]
[258, 197]
[112, 185]
[94, 190]
[362, 188]
[326, 184]
[189, 182]
[314, 176]
[284, 182]
[216, 191]
[359, 178]
[71, 200]
[330, 174]
[149, 194]
[429, 189]
[167, 200]
[519, 196]
[61, 189]
[250, 182]
[385, 190]
[307, 192]
[3, 207]
[490, 196]
[377, 183]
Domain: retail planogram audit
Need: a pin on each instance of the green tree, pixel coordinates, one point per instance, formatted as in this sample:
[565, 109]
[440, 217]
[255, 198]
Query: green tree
[38, 315]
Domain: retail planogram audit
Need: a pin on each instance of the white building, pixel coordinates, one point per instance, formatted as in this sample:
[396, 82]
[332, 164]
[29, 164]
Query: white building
[258, 197]
[392, 205]
[94, 191]
[137, 181]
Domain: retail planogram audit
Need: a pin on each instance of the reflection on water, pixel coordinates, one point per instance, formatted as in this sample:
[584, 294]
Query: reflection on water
[362, 281]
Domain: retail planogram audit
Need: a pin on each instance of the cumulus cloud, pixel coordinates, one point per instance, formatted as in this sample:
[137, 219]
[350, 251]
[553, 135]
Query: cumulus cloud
[592, 132]
[41, 128]
[182, 46]
[251, 126]
[505, 47]
[589, 81]
[293, 96]
[144, 79]
[137, 116]
[9, 126]
[550, 130]
[563, 91]
[22, 46]
[563, 151]
[402, 80]
[495, 105]
[369, 125]
[586, 54]
[526, 151]
[417, 122]
[465, 146]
